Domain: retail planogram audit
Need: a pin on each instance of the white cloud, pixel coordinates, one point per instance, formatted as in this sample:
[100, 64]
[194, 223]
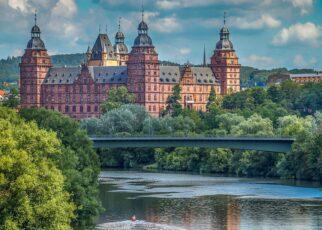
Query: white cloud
[184, 51]
[260, 61]
[308, 32]
[300, 62]
[304, 5]
[21, 5]
[65, 8]
[168, 4]
[166, 25]
[17, 53]
[265, 20]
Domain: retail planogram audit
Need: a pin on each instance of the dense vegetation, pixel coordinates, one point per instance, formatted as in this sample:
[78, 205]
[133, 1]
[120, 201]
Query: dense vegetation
[48, 172]
[285, 110]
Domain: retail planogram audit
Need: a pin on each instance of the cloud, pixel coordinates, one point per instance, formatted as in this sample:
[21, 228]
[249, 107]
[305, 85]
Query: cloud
[166, 25]
[265, 20]
[260, 61]
[300, 62]
[307, 32]
[21, 5]
[65, 8]
[184, 51]
[304, 5]
[167, 4]
[17, 52]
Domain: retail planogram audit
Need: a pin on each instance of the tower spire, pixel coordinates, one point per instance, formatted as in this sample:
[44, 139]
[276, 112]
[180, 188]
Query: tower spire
[99, 29]
[225, 16]
[120, 23]
[204, 56]
[106, 28]
[142, 10]
[35, 16]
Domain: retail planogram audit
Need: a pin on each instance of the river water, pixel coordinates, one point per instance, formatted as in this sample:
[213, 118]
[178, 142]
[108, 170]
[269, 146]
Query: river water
[163, 201]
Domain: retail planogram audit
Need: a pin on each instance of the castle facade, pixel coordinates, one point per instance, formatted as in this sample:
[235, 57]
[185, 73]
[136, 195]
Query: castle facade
[78, 91]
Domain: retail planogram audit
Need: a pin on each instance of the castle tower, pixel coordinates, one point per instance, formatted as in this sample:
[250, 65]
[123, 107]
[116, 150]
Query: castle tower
[34, 66]
[102, 44]
[224, 63]
[144, 71]
[88, 54]
[120, 48]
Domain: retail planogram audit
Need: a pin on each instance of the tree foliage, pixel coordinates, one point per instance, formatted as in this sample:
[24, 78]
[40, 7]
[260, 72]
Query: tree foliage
[32, 191]
[78, 162]
[117, 97]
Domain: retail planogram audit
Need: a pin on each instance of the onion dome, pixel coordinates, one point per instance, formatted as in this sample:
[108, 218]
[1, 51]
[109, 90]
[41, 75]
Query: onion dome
[224, 43]
[143, 39]
[143, 26]
[35, 42]
[120, 46]
[119, 35]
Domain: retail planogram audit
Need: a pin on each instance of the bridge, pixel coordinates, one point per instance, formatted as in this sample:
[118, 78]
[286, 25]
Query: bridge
[238, 143]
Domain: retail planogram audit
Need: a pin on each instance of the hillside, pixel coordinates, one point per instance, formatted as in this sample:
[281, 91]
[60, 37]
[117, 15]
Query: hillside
[250, 77]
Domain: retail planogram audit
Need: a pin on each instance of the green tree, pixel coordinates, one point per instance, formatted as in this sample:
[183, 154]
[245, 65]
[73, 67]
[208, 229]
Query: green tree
[212, 98]
[33, 194]
[13, 100]
[254, 126]
[174, 107]
[117, 97]
[78, 162]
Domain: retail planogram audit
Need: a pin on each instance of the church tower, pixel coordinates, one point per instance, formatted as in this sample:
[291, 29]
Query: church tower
[144, 71]
[34, 66]
[224, 63]
[120, 48]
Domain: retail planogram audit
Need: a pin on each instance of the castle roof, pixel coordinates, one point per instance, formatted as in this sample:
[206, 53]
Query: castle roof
[173, 75]
[119, 75]
[102, 41]
[100, 74]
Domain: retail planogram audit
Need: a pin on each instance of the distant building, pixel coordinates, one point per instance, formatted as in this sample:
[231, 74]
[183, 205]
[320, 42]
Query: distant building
[298, 78]
[305, 78]
[79, 91]
[2, 95]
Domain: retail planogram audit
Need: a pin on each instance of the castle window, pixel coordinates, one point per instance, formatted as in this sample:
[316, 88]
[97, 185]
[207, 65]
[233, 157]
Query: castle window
[96, 108]
[81, 108]
[74, 108]
[167, 79]
[66, 108]
[88, 108]
[161, 79]
[173, 79]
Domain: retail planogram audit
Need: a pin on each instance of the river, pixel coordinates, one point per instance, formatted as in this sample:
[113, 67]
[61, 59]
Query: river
[164, 201]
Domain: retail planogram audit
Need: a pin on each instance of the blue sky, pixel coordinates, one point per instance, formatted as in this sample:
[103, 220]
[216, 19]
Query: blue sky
[265, 33]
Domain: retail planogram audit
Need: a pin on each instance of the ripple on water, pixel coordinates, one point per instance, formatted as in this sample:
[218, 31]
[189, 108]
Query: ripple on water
[137, 225]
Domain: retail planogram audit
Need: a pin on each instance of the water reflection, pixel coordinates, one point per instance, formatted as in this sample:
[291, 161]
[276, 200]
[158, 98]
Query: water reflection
[156, 199]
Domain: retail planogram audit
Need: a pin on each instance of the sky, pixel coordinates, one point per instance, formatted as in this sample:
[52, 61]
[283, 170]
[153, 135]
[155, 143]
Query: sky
[266, 33]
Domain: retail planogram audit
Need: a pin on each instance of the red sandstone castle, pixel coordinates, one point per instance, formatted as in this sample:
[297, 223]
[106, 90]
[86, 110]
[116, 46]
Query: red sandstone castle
[79, 91]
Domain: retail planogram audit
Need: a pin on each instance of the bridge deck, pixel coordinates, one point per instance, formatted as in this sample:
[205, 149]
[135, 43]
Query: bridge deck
[242, 143]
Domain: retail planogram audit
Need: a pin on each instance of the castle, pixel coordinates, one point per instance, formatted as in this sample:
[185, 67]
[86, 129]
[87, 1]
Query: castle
[78, 91]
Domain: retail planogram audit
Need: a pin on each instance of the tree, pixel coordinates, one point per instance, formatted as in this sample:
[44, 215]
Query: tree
[33, 195]
[212, 98]
[174, 107]
[78, 162]
[117, 97]
[254, 126]
[13, 100]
